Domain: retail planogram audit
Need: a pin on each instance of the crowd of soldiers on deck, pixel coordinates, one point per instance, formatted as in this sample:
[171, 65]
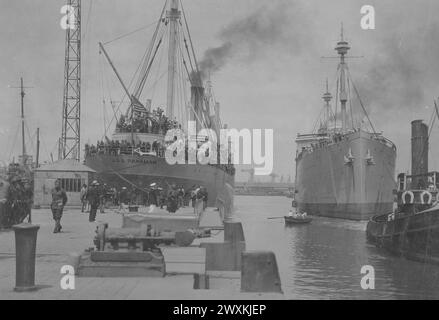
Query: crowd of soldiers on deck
[154, 122]
[16, 195]
[157, 148]
[99, 195]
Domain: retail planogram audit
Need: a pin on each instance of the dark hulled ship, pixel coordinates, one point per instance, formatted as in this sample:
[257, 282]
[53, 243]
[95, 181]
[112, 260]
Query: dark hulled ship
[135, 154]
[347, 170]
[412, 230]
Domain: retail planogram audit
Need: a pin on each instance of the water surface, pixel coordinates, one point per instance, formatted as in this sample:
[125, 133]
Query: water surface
[323, 260]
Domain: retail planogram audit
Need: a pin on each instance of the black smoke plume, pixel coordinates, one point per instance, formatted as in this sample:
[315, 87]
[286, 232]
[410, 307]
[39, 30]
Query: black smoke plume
[276, 28]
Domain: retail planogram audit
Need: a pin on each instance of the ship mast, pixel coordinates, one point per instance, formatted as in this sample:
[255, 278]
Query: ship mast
[173, 15]
[23, 142]
[342, 49]
[327, 97]
[24, 155]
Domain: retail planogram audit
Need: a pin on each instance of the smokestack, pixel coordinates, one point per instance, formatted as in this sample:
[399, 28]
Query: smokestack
[419, 153]
[197, 96]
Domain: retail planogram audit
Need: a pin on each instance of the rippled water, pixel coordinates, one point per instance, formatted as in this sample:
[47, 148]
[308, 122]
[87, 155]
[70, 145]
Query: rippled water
[323, 260]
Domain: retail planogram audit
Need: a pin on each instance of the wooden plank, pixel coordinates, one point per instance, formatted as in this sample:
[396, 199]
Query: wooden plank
[123, 256]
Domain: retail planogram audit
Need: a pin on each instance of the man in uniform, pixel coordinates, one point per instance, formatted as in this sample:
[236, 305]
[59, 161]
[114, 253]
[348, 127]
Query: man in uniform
[171, 204]
[180, 197]
[194, 195]
[205, 197]
[153, 201]
[94, 200]
[161, 197]
[102, 197]
[123, 197]
[59, 200]
[83, 196]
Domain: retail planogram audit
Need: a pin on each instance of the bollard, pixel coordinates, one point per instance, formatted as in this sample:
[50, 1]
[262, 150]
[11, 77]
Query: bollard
[74, 261]
[233, 231]
[201, 281]
[226, 256]
[259, 272]
[25, 248]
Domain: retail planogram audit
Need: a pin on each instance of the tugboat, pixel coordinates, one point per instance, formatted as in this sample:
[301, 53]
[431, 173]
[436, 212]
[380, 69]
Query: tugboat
[412, 230]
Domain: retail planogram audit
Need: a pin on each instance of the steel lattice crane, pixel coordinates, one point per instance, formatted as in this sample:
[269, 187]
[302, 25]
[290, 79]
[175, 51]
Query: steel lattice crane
[70, 141]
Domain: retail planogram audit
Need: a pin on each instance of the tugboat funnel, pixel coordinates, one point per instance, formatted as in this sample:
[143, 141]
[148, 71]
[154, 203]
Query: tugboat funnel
[419, 154]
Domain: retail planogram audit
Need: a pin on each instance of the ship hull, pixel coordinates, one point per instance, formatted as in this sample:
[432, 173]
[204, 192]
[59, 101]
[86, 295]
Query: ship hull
[415, 237]
[141, 171]
[326, 185]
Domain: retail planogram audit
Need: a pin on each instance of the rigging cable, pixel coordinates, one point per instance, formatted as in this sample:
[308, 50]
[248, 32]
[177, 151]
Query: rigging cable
[132, 32]
[44, 145]
[187, 47]
[88, 20]
[135, 73]
[361, 103]
[153, 87]
[190, 38]
[124, 97]
[350, 103]
[144, 71]
[101, 84]
[30, 138]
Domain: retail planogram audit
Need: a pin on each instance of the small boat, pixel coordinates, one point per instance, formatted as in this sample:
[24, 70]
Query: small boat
[297, 220]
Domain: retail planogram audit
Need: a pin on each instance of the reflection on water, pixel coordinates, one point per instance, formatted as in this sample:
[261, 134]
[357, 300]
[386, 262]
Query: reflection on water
[323, 260]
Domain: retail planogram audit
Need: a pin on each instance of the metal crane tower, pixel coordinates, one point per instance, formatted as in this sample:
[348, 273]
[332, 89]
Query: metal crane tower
[70, 142]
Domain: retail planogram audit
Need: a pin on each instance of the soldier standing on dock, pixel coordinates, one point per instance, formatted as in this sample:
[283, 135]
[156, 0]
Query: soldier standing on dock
[83, 196]
[205, 197]
[59, 200]
[123, 197]
[180, 197]
[194, 195]
[102, 197]
[153, 195]
[93, 198]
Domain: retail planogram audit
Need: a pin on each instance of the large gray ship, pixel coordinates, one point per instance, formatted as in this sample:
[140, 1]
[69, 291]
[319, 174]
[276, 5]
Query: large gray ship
[134, 156]
[344, 169]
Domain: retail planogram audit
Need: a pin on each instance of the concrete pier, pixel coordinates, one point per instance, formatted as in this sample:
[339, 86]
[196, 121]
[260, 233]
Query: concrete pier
[186, 276]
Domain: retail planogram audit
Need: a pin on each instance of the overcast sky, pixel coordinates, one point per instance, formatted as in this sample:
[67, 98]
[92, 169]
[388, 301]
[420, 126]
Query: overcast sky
[273, 78]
